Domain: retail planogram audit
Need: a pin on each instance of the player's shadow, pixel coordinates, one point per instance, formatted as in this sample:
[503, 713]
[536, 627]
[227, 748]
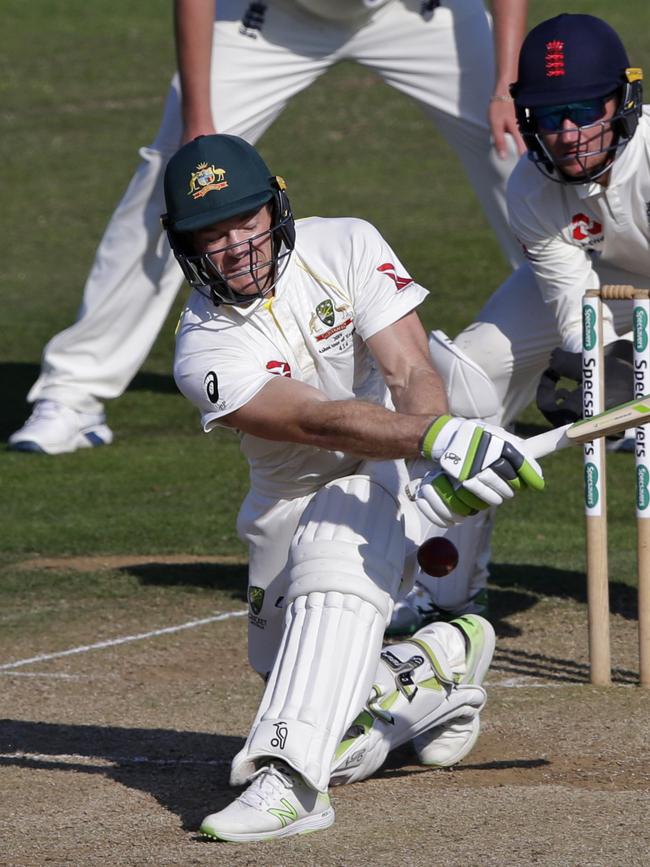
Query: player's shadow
[403, 762]
[518, 587]
[231, 578]
[16, 378]
[186, 772]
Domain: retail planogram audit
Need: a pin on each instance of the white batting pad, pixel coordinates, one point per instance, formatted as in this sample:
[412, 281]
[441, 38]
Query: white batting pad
[350, 539]
[416, 688]
[321, 678]
[346, 563]
[470, 392]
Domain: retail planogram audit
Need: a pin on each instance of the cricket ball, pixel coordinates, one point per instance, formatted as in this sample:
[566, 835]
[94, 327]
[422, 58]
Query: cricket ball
[437, 556]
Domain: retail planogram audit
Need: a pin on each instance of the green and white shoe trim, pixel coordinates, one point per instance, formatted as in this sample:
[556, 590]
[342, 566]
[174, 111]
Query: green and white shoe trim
[277, 803]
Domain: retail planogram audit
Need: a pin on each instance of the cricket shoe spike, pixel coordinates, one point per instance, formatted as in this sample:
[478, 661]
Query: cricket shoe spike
[447, 744]
[277, 803]
[418, 688]
[55, 429]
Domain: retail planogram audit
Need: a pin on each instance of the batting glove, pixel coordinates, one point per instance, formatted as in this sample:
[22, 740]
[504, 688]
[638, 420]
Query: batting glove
[488, 463]
[436, 497]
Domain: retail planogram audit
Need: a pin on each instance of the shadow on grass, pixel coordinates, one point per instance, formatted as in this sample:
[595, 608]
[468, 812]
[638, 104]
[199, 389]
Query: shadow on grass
[228, 577]
[520, 586]
[16, 378]
[187, 772]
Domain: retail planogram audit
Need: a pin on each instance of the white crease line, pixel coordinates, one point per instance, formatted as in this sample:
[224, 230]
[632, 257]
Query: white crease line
[70, 758]
[55, 674]
[115, 641]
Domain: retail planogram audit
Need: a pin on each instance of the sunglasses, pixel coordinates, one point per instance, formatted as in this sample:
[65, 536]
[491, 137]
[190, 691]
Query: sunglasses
[587, 111]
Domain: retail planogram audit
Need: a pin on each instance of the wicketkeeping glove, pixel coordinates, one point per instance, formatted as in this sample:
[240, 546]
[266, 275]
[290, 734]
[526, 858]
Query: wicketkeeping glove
[488, 463]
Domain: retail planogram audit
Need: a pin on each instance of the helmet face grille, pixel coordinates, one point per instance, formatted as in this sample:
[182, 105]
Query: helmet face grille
[619, 129]
[202, 274]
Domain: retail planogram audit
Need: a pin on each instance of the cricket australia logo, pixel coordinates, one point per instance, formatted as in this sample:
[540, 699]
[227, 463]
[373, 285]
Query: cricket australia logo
[255, 599]
[325, 312]
[280, 739]
[255, 602]
[205, 179]
[332, 326]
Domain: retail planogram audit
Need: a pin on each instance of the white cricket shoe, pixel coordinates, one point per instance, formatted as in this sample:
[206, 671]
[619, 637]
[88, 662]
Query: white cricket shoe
[417, 691]
[55, 429]
[445, 745]
[278, 803]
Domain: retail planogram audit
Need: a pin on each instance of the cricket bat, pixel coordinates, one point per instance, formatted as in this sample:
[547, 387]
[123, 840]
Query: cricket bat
[615, 420]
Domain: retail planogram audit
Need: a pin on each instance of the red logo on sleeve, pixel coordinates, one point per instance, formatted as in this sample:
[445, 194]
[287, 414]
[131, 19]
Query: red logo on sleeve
[585, 229]
[389, 270]
[280, 368]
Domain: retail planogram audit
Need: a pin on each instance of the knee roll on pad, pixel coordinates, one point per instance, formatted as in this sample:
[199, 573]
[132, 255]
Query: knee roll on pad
[351, 540]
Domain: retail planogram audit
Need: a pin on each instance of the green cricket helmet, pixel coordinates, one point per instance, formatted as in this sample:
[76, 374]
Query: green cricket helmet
[209, 180]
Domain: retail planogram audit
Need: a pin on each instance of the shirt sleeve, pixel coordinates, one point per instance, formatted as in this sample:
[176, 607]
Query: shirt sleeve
[383, 290]
[215, 370]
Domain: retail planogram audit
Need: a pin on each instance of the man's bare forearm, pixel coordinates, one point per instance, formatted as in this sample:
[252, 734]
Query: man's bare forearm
[193, 24]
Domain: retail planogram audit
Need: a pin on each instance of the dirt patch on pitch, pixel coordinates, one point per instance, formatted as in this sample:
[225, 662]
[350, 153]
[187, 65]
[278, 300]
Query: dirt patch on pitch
[114, 755]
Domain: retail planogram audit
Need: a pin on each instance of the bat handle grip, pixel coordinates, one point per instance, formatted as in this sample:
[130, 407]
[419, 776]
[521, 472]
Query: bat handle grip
[550, 441]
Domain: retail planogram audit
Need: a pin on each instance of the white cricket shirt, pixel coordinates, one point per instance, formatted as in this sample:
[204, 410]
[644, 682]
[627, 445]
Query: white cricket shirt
[343, 284]
[566, 229]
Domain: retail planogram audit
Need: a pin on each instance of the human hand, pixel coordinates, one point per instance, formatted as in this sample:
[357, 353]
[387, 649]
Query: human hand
[436, 498]
[502, 120]
[488, 463]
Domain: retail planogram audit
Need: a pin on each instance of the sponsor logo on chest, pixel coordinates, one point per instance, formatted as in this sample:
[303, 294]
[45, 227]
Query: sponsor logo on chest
[586, 231]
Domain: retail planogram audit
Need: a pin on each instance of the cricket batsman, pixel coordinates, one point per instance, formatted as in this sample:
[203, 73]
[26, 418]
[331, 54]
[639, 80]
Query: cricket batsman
[303, 337]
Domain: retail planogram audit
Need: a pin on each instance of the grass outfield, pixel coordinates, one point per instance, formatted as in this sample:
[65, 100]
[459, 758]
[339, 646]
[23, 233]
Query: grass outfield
[123, 693]
[81, 88]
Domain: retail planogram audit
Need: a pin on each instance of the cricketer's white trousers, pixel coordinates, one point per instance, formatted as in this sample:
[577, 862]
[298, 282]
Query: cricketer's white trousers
[514, 334]
[445, 64]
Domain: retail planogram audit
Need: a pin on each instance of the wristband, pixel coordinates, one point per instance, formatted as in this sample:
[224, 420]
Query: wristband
[501, 97]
